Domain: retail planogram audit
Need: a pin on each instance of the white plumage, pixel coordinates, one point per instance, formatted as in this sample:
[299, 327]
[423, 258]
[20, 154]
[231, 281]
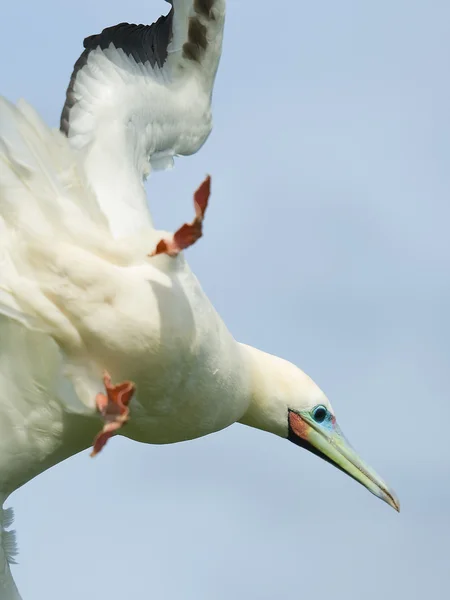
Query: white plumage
[132, 111]
[76, 301]
[81, 293]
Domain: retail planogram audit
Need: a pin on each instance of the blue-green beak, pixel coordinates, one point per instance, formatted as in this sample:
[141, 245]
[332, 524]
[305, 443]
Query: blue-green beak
[325, 439]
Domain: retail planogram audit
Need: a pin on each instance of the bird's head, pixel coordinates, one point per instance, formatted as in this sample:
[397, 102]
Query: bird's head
[285, 401]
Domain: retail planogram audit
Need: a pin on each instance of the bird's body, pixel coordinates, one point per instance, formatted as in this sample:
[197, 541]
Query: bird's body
[86, 303]
[138, 97]
[89, 290]
[110, 307]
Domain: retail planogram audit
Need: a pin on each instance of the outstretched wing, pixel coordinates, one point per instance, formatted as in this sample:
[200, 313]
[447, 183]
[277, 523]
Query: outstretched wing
[138, 96]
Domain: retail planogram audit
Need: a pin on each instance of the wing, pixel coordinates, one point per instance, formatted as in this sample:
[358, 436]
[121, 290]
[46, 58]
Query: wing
[138, 96]
[42, 192]
[45, 414]
[43, 196]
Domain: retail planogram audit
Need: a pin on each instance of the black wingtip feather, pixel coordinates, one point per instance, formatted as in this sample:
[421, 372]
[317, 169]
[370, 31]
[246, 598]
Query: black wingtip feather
[145, 43]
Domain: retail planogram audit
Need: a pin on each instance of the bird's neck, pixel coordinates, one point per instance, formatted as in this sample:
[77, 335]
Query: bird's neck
[270, 377]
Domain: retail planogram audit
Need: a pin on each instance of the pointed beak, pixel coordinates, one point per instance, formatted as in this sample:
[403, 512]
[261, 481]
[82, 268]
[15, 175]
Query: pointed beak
[327, 441]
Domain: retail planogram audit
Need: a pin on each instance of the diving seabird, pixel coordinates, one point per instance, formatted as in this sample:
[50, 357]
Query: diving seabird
[102, 321]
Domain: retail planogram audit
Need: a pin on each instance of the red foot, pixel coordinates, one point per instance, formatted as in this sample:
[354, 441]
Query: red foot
[114, 409]
[189, 233]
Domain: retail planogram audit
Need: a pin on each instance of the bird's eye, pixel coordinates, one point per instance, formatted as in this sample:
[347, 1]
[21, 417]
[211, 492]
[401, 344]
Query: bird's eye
[319, 414]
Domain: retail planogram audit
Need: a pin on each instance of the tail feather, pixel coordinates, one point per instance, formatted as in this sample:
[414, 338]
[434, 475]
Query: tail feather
[9, 545]
[8, 518]
[8, 554]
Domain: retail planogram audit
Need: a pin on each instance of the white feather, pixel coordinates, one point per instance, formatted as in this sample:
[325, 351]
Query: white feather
[130, 118]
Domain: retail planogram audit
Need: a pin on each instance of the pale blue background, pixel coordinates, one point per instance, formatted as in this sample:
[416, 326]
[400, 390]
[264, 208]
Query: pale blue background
[327, 242]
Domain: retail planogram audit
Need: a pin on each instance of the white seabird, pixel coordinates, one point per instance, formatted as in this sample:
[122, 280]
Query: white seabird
[101, 318]
[84, 313]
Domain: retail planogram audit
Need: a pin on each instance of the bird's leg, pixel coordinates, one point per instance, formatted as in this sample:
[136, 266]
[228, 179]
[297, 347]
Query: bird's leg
[113, 407]
[189, 233]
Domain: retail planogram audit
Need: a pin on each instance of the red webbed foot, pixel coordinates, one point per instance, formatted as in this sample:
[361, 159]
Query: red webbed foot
[189, 233]
[113, 408]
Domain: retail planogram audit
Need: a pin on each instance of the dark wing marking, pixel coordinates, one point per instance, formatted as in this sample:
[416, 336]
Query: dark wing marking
[197, 41]
[203, 7]
[142, 42]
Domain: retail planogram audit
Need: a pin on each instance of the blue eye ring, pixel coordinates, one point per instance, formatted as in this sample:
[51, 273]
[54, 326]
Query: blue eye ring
[319, 413]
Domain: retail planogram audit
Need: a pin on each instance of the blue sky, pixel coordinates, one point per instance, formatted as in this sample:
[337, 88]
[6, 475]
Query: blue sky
[327, 242]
